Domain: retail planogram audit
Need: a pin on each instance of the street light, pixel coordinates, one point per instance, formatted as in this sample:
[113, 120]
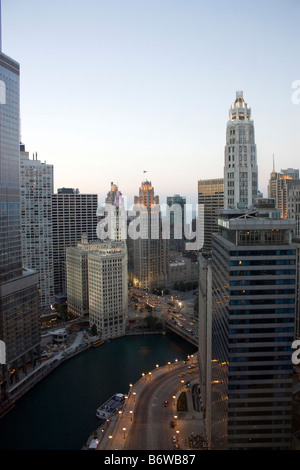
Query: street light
[134, 394]
[130, 414]
[124, 429]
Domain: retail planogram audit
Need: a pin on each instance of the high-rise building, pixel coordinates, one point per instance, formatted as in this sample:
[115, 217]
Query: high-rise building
[211, 195]
[77, 275]
[150, 249]
[176, 206]
[296, 241]
[240, 169]
[36, 179]
[253, 309]
[284, 187]
[108, 289]
[19, 315]
[73, 214]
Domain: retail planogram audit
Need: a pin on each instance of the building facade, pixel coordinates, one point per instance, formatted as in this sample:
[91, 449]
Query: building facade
[211, 196]
[108, 289]
[253, 310]
[177, 220]
[73, 214]
[77, 276]
[240, 169]
[36, 181]
[19, 314]
[150, 249]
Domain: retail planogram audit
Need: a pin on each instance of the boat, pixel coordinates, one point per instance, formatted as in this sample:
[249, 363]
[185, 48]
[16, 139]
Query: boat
[97, 343]
[111, 406]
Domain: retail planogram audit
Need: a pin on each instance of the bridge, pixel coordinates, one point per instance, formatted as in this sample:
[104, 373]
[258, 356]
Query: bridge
[180, 331]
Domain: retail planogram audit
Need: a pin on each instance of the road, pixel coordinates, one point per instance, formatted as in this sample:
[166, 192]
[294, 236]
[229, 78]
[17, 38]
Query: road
[151, 425]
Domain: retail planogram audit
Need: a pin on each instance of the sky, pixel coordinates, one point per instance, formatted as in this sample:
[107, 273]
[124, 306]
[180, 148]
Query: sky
[113, 88]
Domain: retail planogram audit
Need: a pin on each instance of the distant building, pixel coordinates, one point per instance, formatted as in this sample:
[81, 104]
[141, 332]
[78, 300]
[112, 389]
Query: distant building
[177, 220]
[73, 214]
[36, 180]
[253, 311]
[211, 195]
[284, 187]
[108, 289]
[182, 269]
[150, 250]
[240, 169]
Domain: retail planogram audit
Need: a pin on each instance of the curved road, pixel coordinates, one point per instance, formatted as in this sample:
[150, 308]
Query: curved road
[151, 429]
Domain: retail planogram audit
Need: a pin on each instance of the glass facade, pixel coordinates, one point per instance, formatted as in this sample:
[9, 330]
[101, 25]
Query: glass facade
[253, 329]
[10, 235]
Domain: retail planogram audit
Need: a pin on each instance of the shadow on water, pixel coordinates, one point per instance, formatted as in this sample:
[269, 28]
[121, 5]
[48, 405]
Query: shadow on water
[59, 413]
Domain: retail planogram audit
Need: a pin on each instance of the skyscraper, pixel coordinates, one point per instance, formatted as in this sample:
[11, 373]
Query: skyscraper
[36, 181]
[284, 187]
[240, 169]
[73, 214]
[108, 289]
[177, 221]
[211, 195]
[150, 250]
[77, 275]
[19, 316]
[253, 309]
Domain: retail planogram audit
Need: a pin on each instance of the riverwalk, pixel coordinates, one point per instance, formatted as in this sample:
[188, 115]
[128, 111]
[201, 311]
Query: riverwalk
[189, 425]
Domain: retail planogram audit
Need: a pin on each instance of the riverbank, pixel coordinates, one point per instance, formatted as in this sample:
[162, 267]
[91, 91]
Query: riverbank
[188, 427]
[80, 343]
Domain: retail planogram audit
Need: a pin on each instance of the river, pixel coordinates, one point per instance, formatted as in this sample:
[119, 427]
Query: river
[59, 412]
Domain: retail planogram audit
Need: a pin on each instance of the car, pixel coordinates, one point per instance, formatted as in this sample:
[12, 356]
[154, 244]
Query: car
[166, 403]
[192, 371]
[181, 375]
[174, 440]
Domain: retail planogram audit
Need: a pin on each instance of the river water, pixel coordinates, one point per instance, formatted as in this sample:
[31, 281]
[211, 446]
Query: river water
[59, 412]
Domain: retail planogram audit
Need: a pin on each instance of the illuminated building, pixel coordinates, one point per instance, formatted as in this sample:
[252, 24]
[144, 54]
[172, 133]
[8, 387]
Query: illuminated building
[240, 169]
[284, 187]
[150, 250]
[108, 289]
[77, 275]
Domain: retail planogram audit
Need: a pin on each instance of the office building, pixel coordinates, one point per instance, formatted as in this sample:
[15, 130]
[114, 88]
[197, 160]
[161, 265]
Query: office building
[240, 169]
[19, 319]
[150, 249]
[253, 310]
[211, 196]
[73, 214]
[77, 275]
[284, 187]
[108, 289]
[36, 180]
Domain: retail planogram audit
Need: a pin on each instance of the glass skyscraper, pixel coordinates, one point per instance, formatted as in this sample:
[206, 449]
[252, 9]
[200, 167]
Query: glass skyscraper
[10, 241]
[253, 309]
[19, 316]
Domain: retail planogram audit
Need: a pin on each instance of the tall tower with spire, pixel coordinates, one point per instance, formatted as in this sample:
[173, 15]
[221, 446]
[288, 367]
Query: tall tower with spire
[240, 168]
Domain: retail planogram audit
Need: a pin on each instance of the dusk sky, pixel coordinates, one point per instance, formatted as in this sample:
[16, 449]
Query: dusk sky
[110, 88]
